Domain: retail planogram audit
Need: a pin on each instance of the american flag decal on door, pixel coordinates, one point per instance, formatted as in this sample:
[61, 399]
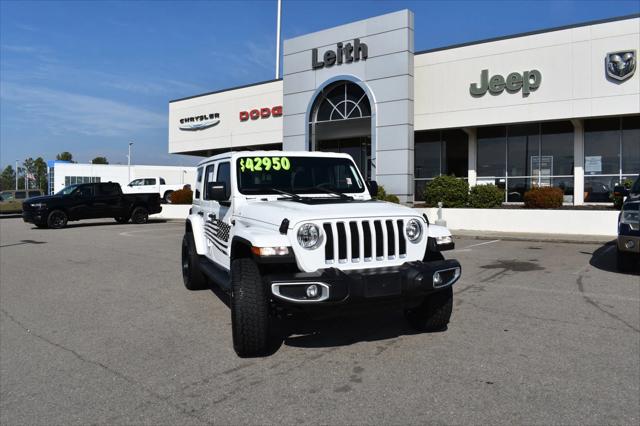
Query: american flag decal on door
[218, 233]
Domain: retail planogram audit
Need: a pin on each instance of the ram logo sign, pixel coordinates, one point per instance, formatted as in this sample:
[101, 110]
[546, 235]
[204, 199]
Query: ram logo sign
[621, 65]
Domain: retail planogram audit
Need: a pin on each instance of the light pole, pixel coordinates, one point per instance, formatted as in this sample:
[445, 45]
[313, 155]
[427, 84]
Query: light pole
[278, 39]
[129, 162]
[16, 175]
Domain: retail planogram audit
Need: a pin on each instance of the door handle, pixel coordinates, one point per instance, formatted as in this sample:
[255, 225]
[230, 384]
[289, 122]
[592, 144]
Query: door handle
[212, 216]
[201, 213]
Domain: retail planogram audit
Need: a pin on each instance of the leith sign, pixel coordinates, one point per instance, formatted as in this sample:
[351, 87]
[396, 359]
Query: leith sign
[527, 81]
[347, 54]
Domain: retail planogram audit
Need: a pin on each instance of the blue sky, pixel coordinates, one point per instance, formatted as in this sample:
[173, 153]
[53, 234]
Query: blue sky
[87, 77]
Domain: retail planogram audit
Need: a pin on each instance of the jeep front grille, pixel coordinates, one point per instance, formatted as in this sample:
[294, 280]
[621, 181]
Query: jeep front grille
[364, 241]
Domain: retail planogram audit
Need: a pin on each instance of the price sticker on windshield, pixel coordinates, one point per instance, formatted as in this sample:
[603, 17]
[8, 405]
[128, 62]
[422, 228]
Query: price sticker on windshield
[259, 164]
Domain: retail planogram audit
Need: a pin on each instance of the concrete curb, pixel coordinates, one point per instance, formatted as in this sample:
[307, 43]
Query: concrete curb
[542, 238]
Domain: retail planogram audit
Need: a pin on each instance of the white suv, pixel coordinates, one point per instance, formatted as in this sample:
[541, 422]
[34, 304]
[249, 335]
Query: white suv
[300, 231]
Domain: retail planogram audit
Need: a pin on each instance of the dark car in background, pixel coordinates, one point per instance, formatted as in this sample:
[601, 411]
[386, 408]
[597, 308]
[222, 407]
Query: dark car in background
[11, 201]
[628, 245]
[89, 201]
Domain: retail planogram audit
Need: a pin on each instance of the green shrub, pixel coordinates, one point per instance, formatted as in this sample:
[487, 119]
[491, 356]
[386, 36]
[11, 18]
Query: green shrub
[618, 201]
[182, 196]
[383, 196]
[452, 191]
[544, 198]
[486, 197]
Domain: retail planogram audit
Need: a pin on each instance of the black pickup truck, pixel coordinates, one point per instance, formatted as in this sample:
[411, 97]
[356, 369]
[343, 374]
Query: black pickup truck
[89, 201]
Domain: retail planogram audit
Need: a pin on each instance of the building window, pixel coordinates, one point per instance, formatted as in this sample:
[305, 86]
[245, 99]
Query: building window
[439, 152]
[519, 157]
[611, 155]
[73, 180]
[343, 101]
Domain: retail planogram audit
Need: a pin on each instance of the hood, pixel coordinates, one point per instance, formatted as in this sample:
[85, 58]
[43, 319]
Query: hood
[274, 212]
[42, 199]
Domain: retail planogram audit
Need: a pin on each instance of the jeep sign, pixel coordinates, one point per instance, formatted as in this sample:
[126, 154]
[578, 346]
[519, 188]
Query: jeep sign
[527, 81]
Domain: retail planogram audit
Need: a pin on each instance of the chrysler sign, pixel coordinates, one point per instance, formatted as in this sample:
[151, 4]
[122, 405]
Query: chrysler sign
[200, 122]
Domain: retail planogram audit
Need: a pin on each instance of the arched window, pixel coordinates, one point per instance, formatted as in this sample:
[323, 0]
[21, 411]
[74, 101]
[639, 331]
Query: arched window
[343, 100]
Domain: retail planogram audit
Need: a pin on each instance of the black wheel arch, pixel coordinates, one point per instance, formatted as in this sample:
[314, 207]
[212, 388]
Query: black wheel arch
[241, 249]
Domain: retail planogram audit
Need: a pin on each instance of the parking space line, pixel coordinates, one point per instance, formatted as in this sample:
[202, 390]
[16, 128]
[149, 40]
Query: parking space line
[476, 245]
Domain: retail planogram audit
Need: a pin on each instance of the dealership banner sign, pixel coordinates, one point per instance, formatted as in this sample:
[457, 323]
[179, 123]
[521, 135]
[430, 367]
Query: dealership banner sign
[347, 54]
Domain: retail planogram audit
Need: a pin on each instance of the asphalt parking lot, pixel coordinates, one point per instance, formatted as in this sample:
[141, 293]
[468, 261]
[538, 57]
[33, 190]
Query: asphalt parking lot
[97, 327]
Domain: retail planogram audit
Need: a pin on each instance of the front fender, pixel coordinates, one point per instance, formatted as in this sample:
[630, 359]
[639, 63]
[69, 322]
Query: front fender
[260, 236]
[196, 223]
[435, 231]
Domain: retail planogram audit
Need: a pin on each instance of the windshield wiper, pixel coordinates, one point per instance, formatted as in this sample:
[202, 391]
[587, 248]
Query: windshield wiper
[342, 196]
[288, 194]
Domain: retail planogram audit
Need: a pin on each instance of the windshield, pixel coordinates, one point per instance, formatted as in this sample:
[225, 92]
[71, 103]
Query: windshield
[297, 175]
[636, 186]
[67, 190]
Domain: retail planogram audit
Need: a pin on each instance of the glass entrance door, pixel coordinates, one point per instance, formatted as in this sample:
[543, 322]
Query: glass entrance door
[358, 147]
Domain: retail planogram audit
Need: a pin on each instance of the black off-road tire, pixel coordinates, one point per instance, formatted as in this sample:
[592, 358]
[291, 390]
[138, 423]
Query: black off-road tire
[167, 197]
[57, 219]
[250, 320]
[140, 215]
[192, 276]
[122, 219]
[434, 313]
[625, 261]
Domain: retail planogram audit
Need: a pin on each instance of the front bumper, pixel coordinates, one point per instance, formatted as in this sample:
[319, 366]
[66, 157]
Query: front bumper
[34, 216]
[407, 281]
[629, 243]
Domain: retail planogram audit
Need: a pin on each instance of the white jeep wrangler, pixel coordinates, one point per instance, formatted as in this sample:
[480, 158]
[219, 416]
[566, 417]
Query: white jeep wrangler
[290, 231]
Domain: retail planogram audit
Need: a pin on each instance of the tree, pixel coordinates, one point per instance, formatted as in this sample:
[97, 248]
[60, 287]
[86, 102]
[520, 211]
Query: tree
[8, 178]
[100, 160]
[41, 173]
[30, 170]
[65, 156]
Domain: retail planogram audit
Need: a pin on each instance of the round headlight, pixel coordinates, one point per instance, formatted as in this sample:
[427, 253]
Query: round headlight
[413, 230]
[309, 236]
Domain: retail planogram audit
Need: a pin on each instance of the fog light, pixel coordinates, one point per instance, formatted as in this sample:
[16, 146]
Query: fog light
[312, 291]
[437, 279]
[630, 244]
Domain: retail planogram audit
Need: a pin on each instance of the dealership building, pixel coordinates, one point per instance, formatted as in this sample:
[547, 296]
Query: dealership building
[558, 107]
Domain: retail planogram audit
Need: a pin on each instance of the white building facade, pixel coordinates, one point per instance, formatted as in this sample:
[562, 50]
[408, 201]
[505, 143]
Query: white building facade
[559, 107]
[63, 173]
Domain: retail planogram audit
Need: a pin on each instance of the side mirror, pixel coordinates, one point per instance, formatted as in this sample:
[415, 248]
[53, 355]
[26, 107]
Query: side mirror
[373, 188]
[620, 191]
[216, 191]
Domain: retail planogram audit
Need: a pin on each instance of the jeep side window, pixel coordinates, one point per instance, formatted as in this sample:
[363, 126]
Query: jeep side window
[199, 182]
[136, 182]
[209, 177]
[224, 175]
[149, 182]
